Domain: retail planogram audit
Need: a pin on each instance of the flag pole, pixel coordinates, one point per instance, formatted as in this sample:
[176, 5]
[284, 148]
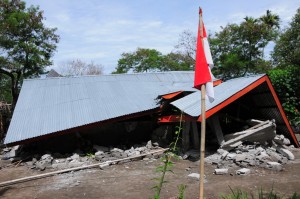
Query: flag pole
[203, 122]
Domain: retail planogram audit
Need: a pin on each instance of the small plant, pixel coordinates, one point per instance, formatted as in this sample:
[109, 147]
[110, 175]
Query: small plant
[90, 155]
[238, 194]
[295, 196]
[168, 164]
[181, 189]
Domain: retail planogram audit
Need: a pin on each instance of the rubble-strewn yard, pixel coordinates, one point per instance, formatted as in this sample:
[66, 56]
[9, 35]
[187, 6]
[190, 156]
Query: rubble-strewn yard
[133, 180]
[248, 166]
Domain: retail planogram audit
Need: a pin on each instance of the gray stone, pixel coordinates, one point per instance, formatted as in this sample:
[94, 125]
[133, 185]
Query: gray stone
[43, 164]
[119, 155]
[75, 163]
[286, 153]
[231, 156]
[286, 141]
[117, 150]
[99, 153]
[60, 166]
[194, 176]
[243, 171]
[104, 165]
[221, 171]
[221, 151]
[273, 155]
[155, 144]
[135, 153]
[263, 156]
[223, 156]
[100, 148]
[283, 160]
[46, 156]
[274, 166]
[141, 149]
[149, 144]
[240, 157]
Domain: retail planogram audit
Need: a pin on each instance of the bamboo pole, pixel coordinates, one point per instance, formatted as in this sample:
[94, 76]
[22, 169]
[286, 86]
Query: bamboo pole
[25, 179]
[203, 121]
[202, 149]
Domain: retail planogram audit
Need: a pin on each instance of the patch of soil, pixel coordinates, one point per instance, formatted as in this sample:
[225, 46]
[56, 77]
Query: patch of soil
[133, 180]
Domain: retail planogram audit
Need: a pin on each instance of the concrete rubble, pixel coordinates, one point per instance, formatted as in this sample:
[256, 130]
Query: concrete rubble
[78, 158]
[257, 147]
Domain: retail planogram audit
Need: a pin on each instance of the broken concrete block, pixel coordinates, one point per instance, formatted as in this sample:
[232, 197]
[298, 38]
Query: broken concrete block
[231, 156]
[194, 176]
[118, 155]
[117, 150]
[274, 166]
[286, 153]
[75, 163]
[273, 155]
[221, 171]
[149, 144]
[221, 151]
[60, 166]
[43, 164]
[263, 156]
[102, 166]
[240, 157]
[260, 133]
[75, 156]
[223, 156]
[243, 171]
[99, 153]
[100, 148]
[46, 156]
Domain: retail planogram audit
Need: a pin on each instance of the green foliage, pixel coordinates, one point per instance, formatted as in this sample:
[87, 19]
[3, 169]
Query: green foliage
[287, 47]
[5, 94]
[238, 49]
[181, 189]
[151, 60]
[168, 165]
[239, 194]
[287, 85]
[26, 44]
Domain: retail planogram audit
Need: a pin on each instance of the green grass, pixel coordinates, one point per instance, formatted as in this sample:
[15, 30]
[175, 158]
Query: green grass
[239, 194]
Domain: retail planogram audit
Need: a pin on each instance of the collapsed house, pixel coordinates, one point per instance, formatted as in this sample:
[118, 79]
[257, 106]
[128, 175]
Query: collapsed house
[110, 109]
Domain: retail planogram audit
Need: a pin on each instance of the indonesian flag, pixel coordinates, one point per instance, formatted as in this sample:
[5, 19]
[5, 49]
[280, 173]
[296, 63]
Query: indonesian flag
[204, 63]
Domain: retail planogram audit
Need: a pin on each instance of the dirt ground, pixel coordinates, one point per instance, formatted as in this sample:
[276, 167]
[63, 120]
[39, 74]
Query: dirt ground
[133, 180]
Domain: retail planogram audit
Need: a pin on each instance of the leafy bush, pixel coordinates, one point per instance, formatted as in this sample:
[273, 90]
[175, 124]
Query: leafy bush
[287, 86]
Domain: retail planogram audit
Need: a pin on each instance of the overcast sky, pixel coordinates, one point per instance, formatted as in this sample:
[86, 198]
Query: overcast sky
[100, 30]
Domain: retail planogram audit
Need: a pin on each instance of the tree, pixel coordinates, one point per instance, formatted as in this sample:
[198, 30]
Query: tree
[285, 77]
[238, 49]
[141, 60]
[151, 60]
[5, 94]
[176, 62]
[286, 83]
[78, 67]
[186, 47]
[26, 45]
[287, 47]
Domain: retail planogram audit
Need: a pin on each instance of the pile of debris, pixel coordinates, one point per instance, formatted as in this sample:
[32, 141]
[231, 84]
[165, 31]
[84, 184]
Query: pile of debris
[256, 146]
[59, 161]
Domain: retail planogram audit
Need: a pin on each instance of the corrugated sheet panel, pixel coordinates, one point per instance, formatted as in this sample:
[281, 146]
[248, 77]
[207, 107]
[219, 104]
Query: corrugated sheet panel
[191, 103]
[50, 105]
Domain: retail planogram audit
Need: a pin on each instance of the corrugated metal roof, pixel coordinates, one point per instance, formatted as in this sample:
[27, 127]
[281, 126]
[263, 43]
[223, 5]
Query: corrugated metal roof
[191, 103]
[51, 105]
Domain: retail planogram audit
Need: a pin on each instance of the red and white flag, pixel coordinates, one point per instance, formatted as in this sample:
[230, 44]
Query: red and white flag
[204, 63]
